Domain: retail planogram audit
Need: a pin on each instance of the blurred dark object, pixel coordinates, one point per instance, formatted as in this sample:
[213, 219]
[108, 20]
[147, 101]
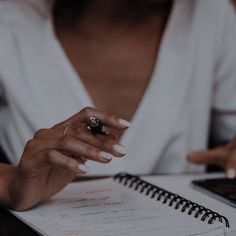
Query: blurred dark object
[213, 168]
[222, 189]
[11, 226]
[211, 145]
[3, 157]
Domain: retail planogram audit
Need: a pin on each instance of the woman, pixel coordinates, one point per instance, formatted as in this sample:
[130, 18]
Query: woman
[164, 65]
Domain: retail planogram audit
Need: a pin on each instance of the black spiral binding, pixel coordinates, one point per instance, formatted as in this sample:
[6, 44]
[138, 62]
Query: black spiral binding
[172, 199]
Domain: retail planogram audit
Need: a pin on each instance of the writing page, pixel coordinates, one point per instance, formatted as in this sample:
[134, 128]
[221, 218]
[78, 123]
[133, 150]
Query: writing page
[182, 185]
[107, 208]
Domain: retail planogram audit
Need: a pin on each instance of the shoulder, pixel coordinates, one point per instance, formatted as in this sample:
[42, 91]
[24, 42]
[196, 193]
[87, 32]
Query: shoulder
[19, 17]
[209, 18]
[21, 22]
[214, 20]
[217, 10]
[209, 5]
[16, 11]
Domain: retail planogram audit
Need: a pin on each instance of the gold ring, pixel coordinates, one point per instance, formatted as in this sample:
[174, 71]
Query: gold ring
[66, 130]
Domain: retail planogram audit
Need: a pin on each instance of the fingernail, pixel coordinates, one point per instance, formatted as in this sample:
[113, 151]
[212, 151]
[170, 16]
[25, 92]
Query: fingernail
[120, 149]
[83, 168]
[106, 156]
[125, 123]
[231, 174]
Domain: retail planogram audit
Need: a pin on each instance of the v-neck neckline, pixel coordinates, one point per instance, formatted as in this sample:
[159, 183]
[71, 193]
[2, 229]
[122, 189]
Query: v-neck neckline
[79, 87]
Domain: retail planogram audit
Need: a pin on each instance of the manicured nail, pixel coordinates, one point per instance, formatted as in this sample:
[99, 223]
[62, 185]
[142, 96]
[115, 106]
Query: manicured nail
[106, 156]
[125, 123]
[231, 174]
[120, 149]
[83, 168]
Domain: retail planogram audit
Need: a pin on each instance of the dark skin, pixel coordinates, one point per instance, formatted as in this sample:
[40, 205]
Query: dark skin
[234, 2]
[114, 56]
[113, 46]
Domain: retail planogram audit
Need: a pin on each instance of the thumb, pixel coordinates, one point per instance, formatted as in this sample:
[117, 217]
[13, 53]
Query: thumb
[217, 156]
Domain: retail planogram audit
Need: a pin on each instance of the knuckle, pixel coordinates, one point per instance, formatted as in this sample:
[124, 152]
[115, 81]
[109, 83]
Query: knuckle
[30, 144]
[39, 133]
[68, 162]
[65, 142]
[107, 144]
[79, 130]
[87, 111]
[112, 117]
[111, 137]
[51, 154]
[91, 152]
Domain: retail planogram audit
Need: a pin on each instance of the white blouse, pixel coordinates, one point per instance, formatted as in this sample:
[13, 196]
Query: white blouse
[195, 74]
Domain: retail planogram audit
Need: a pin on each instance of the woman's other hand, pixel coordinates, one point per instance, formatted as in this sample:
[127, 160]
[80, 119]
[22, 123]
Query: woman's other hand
[223, 156]
[53, 157]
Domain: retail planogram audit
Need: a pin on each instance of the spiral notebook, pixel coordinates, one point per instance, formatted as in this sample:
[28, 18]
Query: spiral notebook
[123, 205]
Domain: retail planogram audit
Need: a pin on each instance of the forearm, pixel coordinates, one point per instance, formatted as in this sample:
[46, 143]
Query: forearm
[7, 173]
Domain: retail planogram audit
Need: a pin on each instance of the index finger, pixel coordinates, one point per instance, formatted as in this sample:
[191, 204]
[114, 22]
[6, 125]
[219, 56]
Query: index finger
[217, 156]
[83, 116]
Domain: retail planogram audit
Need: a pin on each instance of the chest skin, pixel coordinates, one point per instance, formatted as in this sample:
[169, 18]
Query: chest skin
[116, 68]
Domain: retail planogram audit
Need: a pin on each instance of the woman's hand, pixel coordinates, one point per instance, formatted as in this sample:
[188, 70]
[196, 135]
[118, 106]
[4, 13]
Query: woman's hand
[223, 156]
[53, 157]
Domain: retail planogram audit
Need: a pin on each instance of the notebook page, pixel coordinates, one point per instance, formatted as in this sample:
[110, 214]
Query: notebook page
[181, 184]
[107, 208]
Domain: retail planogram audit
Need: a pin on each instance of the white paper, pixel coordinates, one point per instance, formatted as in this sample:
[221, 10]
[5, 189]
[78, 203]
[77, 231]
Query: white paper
[107, 208]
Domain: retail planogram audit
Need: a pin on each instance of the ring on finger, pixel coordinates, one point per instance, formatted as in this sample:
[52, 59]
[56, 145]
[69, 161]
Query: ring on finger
[95, 126]
[66, 130]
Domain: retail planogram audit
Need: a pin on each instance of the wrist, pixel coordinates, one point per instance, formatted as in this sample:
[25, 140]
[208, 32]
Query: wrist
[7, 174]
[21, 192]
